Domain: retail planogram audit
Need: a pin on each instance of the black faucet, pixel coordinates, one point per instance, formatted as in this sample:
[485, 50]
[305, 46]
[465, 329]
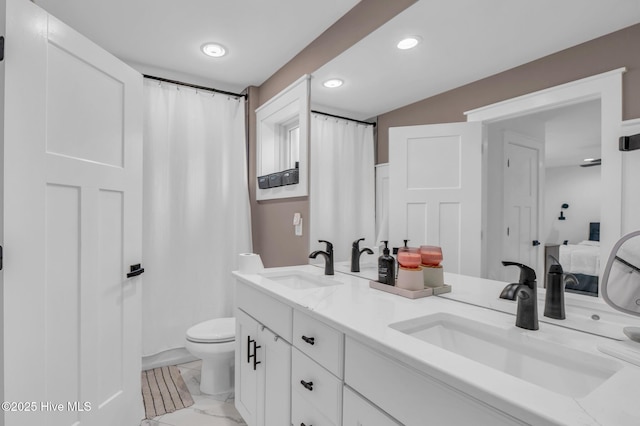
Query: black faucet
[554, 298]
[328, 257]
[355, 255]
[526, 293]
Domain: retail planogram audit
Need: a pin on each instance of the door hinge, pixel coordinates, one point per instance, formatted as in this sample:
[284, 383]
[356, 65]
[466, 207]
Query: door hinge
[1, 48]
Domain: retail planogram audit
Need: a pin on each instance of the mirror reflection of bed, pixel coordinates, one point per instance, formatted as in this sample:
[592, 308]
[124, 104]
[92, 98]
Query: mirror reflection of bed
[582, 260]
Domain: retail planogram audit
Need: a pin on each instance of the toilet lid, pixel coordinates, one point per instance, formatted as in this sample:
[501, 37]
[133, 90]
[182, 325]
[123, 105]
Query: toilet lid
[217, 330]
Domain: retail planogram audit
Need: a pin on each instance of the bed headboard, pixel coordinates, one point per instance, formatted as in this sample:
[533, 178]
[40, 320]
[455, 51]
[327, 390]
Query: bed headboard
[594, 231]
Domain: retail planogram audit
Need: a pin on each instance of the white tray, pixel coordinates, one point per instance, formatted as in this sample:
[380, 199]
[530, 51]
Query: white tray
[410, 294]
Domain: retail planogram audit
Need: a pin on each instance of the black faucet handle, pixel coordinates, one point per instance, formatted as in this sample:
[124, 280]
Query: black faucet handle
[527, 274]
[329, 245]
[356, 243]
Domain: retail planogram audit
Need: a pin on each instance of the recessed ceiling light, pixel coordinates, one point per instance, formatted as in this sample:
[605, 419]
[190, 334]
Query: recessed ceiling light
[333, 83]
[213, 49]
[408, 43]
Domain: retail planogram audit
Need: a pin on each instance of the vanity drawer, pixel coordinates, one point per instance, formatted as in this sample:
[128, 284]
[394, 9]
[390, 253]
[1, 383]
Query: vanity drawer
[409, 395]
[274, 314]
[321, 342]
[305, 414]
[317, 386]
[356, 411]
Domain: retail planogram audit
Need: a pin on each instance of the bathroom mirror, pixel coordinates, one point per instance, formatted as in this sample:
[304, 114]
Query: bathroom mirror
[282, 143]
[621, 279]
[565, 127]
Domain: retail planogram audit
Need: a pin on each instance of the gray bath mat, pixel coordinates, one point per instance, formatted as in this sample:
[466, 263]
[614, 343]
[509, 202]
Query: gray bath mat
[164, 391]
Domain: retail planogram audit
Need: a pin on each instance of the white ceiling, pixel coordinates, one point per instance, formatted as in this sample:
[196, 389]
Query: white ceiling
[261, 36]
[463, 41]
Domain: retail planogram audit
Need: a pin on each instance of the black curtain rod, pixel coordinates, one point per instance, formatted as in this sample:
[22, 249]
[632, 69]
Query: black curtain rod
[343, 118]
[194, 86]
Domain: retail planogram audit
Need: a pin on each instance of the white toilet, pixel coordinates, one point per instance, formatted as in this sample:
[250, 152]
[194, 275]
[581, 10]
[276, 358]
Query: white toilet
[213, 342]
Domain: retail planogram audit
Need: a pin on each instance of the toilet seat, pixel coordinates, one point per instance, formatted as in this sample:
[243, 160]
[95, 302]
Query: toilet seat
[219, 330]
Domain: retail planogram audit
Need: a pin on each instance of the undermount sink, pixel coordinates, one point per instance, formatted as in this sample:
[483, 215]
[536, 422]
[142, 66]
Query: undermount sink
[557, 368]
[299, 280]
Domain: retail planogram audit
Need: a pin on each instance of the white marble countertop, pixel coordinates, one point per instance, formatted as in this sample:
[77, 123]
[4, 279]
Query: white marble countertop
[584, 313]
[365, 314]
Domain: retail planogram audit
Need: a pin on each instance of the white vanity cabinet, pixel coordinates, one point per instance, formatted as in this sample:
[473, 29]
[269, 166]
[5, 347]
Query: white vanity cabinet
[359, 412]
[262, 359]
[316, 372]
[410, 396]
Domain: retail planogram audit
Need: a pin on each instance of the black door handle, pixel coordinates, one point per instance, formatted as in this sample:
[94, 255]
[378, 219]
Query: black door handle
[135, 270]
[307, 385]
[255, 353]
[535, 243]
[309, 340]
[249, 356]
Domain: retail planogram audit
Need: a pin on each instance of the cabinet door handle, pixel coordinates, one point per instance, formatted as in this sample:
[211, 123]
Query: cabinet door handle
[309, 340]
[307, 385]
[135, 270]
[249, 356]
[255, 361]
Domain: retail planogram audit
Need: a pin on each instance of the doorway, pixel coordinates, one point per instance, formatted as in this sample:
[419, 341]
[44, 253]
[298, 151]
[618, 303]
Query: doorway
[550, 194]
[604, 88]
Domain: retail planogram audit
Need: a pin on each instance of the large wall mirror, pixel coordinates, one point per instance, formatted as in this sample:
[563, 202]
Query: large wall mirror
[587, 110]
[283, 133]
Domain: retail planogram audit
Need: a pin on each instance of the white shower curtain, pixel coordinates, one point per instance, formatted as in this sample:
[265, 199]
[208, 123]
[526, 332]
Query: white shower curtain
[196, 209]
[342, 195]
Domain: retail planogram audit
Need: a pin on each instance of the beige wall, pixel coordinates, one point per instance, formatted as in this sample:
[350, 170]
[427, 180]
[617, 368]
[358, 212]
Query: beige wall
[615, 50]
[272, 221]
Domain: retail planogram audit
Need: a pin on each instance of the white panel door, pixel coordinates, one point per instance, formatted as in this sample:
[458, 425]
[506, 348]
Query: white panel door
[72, 226]
[520, 238]
[435, 191]
[382, 203]
[277, 378]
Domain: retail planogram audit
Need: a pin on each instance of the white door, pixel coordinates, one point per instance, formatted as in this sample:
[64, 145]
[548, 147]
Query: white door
[520, 238]
[277, 379]
[71, 227]
[382, 203]
[435, 191]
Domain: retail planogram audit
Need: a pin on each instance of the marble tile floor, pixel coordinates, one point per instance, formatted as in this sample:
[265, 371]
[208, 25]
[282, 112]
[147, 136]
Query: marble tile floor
[207, 410]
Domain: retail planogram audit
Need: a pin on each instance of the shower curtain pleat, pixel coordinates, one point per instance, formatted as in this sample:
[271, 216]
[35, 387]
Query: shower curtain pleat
[342, 195]
[196, 210]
